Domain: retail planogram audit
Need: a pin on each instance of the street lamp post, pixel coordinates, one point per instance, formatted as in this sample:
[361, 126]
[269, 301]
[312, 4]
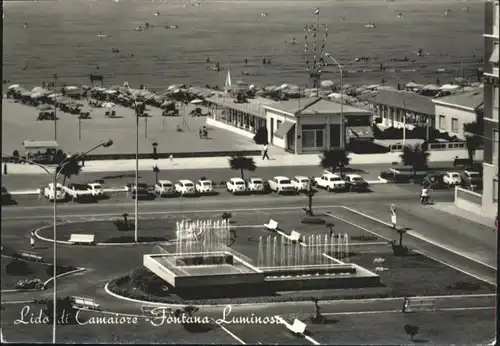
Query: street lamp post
[54, 176]
[342, 121]
[138, 106]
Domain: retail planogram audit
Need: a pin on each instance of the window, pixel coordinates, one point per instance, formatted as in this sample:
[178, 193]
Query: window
[312, 138]
[278, 124]
[496, 90]
[319, 139]
[454, 125]
[495, 190]
[442, 125]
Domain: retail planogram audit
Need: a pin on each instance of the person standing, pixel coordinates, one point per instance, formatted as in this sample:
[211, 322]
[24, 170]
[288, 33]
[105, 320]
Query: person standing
[32, 239]
[264, 152]
[393, 216]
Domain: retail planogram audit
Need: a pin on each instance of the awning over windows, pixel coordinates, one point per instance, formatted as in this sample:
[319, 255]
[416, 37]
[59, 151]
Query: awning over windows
[495, 55]
[360, 132]
[284, 128]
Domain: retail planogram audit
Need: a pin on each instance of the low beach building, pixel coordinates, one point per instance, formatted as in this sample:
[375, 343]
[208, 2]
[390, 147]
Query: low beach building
[401, 108]
[304, 125]
[452, 112]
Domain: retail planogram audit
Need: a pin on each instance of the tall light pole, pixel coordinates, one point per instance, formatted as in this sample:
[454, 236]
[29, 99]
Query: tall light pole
[137, 109]
[315, 65]
[54, 176]
[55, 106]
[342, 121]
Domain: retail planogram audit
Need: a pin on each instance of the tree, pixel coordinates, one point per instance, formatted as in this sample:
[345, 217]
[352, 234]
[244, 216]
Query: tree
[260, 137]
[242, 163]
[69, 167]
[331, 159]
[310, 194]
[330, 226]
[156, 170]
[415, 156]
[411, 330]
[473, 141]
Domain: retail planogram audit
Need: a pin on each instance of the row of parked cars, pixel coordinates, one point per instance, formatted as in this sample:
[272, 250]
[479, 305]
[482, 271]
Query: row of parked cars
[468, 179]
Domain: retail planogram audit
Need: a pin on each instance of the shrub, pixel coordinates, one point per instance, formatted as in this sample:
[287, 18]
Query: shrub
[148, 282]
[399, 250]
[26, 284]
[226, 216]
[364, 238]
[313, 221]
[18, 267]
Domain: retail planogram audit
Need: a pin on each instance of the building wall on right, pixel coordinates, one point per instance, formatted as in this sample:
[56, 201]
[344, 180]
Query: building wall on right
[491, 124]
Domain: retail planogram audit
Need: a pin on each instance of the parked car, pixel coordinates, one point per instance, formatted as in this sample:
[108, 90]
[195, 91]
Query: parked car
[281, 184]
[452, 178]
[58, 193]
[255, 185]
[164, 188]
[185, 187]
[330, 182]
[236, 185]
[80, 193]
[204, 187]
[301, 183]
[6, 196]
[355, 182]
[96, 189]
[142, 191]
[472, 180]
[435, 181]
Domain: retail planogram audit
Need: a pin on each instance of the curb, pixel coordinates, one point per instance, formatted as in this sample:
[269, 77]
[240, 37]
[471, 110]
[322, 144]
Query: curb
[382, 180]
[270, 304]
[77, 270]
[20, 290]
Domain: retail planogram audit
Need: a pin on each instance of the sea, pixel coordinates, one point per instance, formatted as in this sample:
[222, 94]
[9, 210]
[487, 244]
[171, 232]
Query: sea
[75, 38]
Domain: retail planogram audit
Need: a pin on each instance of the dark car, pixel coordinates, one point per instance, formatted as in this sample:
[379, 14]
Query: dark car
[472, 180]
[355, 182]
[435, 181]
[143, 191]
[6, 196]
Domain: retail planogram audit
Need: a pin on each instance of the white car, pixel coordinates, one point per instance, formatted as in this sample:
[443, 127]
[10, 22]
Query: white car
[204, 186]
[452, 178]
[185, 187]
[281, 184]
[330, 182]
[255, 185]
[236, 185]
[164, 188]
[59, 194]
[301, 183]
[96, 189]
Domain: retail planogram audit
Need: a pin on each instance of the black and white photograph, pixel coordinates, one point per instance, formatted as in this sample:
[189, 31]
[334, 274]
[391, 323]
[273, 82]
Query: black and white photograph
[250, 172]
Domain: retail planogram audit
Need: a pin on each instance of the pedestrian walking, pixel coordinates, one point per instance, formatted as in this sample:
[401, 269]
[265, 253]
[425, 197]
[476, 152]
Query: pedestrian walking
[405, 304]
[264, 152]
[32, 239]
[393, 216]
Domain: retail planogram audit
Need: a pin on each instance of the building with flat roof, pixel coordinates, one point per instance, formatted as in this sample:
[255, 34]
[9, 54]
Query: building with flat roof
[304, 125]
[453, 111]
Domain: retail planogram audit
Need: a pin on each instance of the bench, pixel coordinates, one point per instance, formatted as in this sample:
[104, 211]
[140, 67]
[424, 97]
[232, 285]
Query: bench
[33, 256]
[295, 236]
[419, 304]
[462, 162]
[147, 311]
[272, 225]
[85, 303]
[81, 239]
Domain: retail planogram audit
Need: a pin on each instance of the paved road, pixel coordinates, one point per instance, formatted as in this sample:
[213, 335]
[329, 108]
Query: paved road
[35, 207]
[22, 182]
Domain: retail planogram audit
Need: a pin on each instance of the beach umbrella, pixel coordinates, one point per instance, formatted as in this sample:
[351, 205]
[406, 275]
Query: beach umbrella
[37, 95]
[431, 87]
[108, 105]
[476, 85]
[413, 85]
[361, 89]
[13, 86]
[449, 87]
[45, 107]
[55, 95]
[373, 86]
[327, 83]
[240, 82]
[71, 87]
[115, 87]
[167, 104]
[196, 102]
[26, 93]
[347, 86]
[36, 90]
[110, 92]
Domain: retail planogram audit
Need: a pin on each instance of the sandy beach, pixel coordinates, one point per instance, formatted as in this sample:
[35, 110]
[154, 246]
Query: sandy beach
[19, 124]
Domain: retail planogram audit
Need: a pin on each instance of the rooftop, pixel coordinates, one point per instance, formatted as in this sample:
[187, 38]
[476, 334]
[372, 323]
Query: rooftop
[470, 99]
[401, 99]
[312, 106]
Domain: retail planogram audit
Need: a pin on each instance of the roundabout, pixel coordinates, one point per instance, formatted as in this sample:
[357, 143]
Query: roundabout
[120, 281]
